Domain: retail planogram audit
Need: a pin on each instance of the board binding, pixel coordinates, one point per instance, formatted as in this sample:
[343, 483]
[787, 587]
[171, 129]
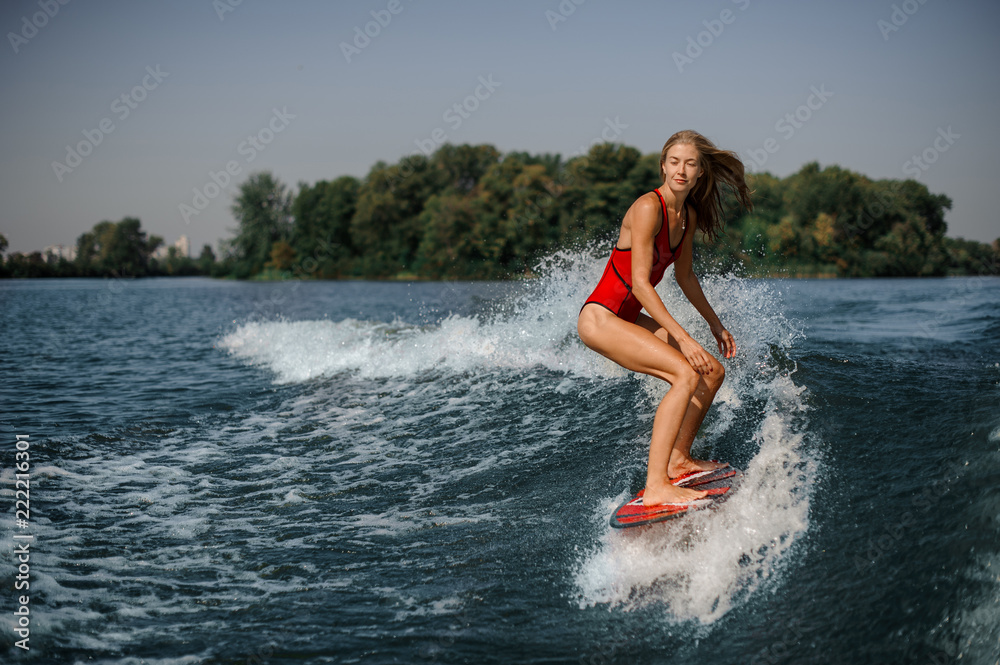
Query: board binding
[696, 478]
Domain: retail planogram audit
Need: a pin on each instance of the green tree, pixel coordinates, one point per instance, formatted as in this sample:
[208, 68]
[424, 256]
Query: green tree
[321, 232]
[470, 211]
[177, 265]
[31, 265]
[263, 212]
[451, 246]
[116, 249]
[386, 228]
[911, 250]
[464, 165]
[512, 209]
[598, 190]
[206, 260]
[282, 256]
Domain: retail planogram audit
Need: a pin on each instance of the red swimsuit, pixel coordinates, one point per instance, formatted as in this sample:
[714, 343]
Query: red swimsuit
[614, 291]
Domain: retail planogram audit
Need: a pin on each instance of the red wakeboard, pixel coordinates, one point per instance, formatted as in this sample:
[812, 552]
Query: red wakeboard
[633, 513]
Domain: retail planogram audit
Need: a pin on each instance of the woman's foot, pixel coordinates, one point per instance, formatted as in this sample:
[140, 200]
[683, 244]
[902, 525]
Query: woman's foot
[682, 466]
[657, 495]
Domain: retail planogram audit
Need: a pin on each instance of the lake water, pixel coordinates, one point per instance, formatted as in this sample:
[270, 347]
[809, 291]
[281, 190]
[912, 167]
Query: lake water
[338, 472]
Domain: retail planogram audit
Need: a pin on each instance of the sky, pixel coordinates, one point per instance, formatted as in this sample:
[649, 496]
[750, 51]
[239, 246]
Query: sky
[159, 110]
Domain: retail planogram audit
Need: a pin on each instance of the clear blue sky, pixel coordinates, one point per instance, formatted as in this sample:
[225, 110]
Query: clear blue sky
[923, 83]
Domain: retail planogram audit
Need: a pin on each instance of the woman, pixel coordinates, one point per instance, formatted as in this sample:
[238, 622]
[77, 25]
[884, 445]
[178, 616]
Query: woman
[659, 230]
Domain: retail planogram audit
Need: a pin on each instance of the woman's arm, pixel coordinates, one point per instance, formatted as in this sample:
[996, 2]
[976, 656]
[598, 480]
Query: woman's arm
[688, 281]
[644, 225]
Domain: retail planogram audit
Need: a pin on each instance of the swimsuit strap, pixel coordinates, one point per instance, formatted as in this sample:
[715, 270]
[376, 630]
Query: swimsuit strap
[666, 223]
[663, 204]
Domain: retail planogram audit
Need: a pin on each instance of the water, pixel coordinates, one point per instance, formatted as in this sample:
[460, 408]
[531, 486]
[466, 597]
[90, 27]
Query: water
[357, 472]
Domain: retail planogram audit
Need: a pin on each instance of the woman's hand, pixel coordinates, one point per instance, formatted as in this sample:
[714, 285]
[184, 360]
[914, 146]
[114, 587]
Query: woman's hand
[727, 345]
[696, 356]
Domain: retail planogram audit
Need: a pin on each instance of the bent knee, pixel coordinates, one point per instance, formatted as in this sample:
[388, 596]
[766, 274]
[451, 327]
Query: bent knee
[686, 380]
[715, 378]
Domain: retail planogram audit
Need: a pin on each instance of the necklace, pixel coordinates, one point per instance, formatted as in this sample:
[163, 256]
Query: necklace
[684, 221]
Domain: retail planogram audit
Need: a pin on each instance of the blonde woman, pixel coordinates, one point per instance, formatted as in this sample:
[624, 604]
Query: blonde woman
[657, 231]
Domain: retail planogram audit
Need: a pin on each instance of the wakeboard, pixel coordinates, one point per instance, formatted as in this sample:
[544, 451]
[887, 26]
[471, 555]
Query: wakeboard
[633, 513]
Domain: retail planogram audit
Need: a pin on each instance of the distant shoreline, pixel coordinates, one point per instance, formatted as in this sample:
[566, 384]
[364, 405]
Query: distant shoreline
[473, 213]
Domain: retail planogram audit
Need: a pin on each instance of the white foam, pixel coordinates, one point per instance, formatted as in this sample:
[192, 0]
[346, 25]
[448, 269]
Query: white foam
[535, 328]
[98, 646]
[303, 350]
[703, 565]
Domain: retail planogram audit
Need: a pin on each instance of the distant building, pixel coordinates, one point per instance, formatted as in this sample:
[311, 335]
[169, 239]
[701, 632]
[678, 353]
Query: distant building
[183, 246]
[55, 252]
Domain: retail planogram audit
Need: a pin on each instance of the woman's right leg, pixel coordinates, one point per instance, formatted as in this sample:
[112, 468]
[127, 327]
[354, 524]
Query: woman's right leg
[681, 461]
[635, 348]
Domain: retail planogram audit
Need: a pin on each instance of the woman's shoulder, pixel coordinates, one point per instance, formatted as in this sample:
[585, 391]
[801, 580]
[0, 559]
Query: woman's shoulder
[645, 211]
[648, 203]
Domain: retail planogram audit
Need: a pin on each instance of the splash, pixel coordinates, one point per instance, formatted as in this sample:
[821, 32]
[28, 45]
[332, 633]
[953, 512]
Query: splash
[703, 566]
[698, 568]
[535, 327]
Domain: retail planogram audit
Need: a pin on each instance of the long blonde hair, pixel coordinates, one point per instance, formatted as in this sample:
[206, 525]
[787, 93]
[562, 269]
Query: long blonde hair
[717, 167]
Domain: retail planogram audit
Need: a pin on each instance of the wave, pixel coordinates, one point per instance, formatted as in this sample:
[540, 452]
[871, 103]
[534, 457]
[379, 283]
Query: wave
[701, 567]
[697, 569]
[536, 327]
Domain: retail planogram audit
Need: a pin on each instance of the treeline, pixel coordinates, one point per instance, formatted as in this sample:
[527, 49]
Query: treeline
[465, 212]
[470, 212]
[832, 222]
[110, 249]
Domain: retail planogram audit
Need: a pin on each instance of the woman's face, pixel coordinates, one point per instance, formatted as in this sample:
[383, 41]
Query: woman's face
[681, 168]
